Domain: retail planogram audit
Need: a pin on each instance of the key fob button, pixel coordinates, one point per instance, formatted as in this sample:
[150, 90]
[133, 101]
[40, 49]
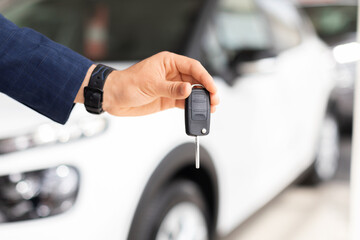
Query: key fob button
[198, 116]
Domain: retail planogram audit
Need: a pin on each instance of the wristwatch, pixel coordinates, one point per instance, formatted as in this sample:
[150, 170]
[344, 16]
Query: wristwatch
[93, 93]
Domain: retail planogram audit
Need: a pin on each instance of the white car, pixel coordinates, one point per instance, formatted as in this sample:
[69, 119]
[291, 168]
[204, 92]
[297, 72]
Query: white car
[103, 177]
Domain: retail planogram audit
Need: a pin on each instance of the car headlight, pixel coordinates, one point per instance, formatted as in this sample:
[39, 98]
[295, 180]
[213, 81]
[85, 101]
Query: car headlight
[51, 133]
[38, 194]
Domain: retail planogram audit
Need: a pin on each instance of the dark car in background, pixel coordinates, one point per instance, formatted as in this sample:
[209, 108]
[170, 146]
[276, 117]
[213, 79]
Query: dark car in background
[335, 22]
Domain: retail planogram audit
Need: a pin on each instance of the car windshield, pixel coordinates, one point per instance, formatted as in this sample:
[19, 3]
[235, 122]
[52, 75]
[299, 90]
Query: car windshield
[333, 22]
[111, 30]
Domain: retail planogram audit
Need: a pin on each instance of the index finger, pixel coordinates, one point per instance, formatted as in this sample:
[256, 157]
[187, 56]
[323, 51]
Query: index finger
[194, 68]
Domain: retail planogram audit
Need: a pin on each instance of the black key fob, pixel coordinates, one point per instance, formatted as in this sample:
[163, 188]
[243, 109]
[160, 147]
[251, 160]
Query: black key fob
[197, 112]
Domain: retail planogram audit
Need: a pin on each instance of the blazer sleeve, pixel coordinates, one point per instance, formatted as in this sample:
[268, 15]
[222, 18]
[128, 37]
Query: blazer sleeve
[38, 72]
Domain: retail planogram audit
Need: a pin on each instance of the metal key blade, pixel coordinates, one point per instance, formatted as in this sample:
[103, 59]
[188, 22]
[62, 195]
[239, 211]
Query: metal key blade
[197, 152]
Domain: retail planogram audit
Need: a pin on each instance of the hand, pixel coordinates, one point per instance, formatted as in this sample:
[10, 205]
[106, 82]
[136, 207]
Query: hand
[155, 84]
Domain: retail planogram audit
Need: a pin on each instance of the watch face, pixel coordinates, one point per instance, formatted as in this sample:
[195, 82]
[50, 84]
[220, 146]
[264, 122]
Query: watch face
[93, 99]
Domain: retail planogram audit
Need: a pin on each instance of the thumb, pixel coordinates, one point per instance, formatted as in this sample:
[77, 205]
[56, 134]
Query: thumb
[176, 90]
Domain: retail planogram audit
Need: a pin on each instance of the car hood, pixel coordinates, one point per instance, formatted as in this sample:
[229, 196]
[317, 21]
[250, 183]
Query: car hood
[17, 118]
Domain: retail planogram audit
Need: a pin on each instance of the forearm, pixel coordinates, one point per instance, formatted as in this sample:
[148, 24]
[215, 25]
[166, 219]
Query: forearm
[38, 72]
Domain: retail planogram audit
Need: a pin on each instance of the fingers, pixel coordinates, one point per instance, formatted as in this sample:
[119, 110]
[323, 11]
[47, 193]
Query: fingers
[187, 78]
[214, 99]
[213, 109]
[194, 68]
[180, 103]
[175, 90]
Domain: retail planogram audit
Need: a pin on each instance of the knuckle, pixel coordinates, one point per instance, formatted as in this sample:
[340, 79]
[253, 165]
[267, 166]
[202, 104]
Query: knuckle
[197, 64]
[172, 89]
[164, 53]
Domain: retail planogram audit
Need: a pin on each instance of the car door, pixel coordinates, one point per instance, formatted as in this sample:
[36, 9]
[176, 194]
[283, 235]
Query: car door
[237, 48]
[268, 115]
[306, 73]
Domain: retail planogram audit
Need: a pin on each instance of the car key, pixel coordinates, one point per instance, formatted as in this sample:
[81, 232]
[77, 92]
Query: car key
[197, 116]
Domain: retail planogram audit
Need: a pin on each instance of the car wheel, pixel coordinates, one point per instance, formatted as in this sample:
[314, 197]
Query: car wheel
[178, 212]
[327, 157]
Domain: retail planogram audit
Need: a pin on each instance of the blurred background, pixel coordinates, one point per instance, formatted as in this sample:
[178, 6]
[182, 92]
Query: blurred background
[313, 205]
[335, 22]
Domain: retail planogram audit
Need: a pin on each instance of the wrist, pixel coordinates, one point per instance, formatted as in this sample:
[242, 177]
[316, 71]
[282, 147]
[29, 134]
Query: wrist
[80, 95]
[108, 97]
[116, 91]
[91, 92]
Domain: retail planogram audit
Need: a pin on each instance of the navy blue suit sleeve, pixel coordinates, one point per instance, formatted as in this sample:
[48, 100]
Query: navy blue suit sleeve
[38, 72]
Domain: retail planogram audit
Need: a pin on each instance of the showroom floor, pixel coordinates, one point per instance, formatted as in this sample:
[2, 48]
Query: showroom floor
[303, 213]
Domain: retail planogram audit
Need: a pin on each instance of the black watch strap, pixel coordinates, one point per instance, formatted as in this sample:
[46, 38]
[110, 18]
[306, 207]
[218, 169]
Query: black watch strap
[93, 93]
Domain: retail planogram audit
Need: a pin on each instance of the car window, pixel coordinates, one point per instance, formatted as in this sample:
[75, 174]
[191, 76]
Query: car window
[240, 25]
[284, 21]
[215, 59]
[238, 32]
[333, 21]
[111, 29]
